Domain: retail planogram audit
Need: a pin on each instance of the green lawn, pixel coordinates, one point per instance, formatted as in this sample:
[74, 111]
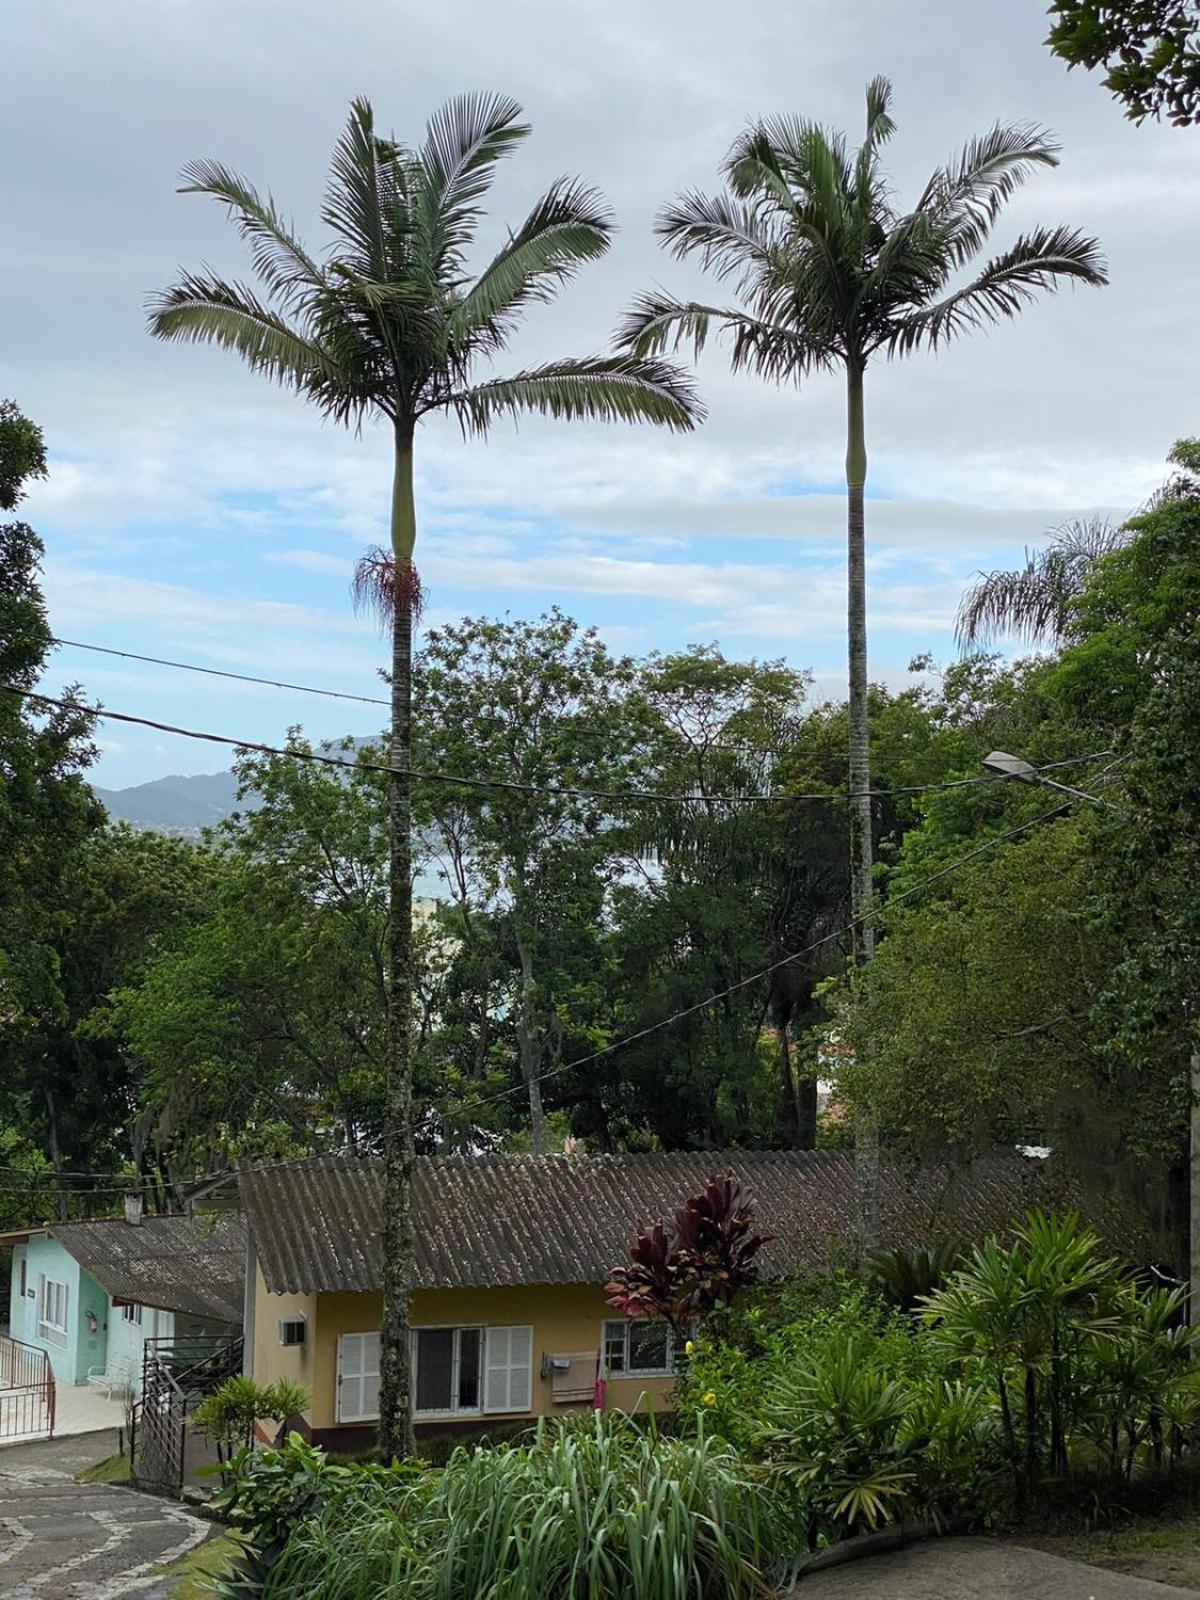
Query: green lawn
[1168, 1552]
[113, 1469]
[199, 1566]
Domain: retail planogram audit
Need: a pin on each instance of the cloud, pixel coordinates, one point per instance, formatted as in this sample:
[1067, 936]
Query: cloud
[194, 506]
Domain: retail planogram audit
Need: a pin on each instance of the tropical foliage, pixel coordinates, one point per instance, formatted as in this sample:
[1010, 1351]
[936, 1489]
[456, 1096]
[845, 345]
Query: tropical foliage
[593, 1508]
[1039, 1358]
[701, 1262]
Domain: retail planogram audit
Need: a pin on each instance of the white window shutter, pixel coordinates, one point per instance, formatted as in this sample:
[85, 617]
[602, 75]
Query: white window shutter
[508, 1375]
[358, 1377]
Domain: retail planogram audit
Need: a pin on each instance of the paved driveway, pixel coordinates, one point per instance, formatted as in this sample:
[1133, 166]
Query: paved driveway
[62, 1540]
[979, 1569]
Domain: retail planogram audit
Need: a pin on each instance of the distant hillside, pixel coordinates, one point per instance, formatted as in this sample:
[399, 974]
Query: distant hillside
[176, 804]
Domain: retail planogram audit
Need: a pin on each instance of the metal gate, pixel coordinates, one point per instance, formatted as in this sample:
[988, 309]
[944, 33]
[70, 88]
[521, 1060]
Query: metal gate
[26, 1391]
[176, 1375]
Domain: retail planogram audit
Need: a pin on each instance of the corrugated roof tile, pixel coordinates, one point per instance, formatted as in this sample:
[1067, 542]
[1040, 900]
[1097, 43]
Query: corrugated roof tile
[492, 1221]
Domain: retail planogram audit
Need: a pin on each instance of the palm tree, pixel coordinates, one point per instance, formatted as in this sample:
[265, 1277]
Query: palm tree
[1036, 601]
[390, 325]
[830, 274]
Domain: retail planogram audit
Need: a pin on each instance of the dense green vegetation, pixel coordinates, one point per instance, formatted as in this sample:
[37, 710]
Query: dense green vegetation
[1036, 1373]
[1032, 984]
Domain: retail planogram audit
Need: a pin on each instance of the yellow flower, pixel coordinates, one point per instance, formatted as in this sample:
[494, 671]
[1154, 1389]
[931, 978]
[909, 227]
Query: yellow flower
[710, 1399]
[689, 1348]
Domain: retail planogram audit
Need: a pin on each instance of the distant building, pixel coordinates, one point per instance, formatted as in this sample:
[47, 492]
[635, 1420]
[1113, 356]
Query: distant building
[90, 1294]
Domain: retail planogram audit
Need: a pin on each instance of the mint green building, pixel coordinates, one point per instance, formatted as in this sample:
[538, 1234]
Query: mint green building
[91, 1294]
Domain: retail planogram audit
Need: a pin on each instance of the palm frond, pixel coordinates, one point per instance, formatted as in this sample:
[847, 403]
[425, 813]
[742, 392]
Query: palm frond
[880, 126]
[657, 322]
[968, 194]
[731, 238]
[279, 258]
[1035, 602]
[209, 310]
[352, 205]
[609, 389]
[1037, 261]
[569, 225]
[464, 142]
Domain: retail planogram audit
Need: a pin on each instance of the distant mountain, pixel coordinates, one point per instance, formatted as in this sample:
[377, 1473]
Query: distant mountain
[176, 804]
[186, 805]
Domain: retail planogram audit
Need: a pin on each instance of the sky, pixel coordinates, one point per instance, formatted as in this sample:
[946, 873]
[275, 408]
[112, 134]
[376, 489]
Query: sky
[194, 511]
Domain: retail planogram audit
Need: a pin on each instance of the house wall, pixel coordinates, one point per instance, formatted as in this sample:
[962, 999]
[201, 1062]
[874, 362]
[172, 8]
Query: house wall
[81, 1347]
[266, 1360]
[566, 1320]
[126, 1340]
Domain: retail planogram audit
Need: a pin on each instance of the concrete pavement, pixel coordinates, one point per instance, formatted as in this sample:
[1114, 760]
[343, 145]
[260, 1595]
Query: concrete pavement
[978, 1569]
[62, 1540]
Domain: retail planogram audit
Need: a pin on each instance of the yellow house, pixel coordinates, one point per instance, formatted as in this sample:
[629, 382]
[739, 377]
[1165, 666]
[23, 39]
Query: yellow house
[508, 1310]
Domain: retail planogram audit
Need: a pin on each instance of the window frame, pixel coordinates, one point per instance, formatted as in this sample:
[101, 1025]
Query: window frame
[482, 1409]
[53, 1289]
[457, 1329]
[131, 1313]
[626, 1370]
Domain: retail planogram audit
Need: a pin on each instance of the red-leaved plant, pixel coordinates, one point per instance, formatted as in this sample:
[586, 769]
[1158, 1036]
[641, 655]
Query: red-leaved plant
[705, 1259]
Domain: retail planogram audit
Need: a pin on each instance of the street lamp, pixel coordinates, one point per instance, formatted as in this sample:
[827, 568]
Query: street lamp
[1016, 767]
[1010, 766]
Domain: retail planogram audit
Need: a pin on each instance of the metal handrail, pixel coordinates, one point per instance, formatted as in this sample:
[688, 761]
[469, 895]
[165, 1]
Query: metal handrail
[27, 1389]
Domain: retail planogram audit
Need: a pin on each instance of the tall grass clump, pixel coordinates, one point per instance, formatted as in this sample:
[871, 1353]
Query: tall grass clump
[593, 1508]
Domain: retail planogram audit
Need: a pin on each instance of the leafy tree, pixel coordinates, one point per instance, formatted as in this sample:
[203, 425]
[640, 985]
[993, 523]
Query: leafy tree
[714, 892]
[22, 454]
[1150, 50]
[529, 871]
[46, 808]
[261, 1028]
[392, 326]
[1138, 661]
[831, 274]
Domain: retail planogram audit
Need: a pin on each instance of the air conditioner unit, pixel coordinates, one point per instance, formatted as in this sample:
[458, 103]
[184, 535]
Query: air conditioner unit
[292, 1330]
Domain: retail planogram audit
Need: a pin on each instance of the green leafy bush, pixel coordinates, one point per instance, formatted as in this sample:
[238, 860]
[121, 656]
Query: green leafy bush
[1039, 1360]
[268, 1494]
[229, 1413]
[595, 1507]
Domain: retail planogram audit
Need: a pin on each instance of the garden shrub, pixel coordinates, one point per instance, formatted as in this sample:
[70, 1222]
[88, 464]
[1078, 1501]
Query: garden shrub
[1039, 1361]
[595, 1507]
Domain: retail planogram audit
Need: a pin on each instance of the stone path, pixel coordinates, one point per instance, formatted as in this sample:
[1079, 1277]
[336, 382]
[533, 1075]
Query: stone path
[62, 1540]
[978, 1569]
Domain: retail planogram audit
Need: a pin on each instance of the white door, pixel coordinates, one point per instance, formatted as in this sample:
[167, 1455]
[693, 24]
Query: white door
[508, 1370]
[358, 1377]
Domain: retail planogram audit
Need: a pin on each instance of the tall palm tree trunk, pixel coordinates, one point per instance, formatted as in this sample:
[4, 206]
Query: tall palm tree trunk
[395, 1362]
[866, 1141]
[1194, 1190]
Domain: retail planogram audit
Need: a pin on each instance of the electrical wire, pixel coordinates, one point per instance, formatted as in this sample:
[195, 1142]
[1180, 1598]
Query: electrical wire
[510, 785]
[879, 911]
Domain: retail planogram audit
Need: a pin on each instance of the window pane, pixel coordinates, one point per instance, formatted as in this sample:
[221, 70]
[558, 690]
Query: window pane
[648, 1346]
[470, 1348]
[614, 1346]
[435, 1366]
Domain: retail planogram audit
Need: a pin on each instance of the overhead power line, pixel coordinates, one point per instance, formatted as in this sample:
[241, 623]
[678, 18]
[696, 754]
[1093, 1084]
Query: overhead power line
[221, 672]
[510, 785]
[626, 1040]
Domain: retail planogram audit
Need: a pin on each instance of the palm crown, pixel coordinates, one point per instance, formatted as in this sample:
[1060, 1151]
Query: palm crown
[390, 321]
[830, 271]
